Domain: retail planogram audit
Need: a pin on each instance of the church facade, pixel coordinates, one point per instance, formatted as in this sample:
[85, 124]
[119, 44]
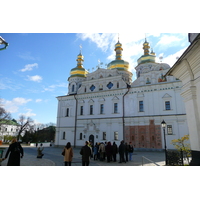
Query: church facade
[107, 105]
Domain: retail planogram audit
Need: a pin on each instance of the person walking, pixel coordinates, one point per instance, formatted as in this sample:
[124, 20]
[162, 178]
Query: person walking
[130, 150]
[14, 151]
[86, 153]
[121, 152]
[115, 151]
[68, 154]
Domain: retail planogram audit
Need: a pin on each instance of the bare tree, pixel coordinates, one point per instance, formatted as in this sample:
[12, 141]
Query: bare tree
[4, 116]
[26, 123]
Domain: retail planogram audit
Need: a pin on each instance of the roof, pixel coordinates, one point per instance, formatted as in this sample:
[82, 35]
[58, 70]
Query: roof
[9, 122]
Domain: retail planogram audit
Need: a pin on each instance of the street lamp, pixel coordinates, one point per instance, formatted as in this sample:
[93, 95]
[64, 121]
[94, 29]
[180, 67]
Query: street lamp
[163, 123]
[2, 41]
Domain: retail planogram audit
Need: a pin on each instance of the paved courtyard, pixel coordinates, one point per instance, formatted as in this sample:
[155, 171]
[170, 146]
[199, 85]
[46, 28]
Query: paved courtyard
[53, 157]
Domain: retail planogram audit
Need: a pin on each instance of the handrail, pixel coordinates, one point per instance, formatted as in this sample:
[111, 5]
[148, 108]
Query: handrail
[143, 157]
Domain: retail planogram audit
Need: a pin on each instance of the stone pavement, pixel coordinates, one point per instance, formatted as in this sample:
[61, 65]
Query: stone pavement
[31, 160]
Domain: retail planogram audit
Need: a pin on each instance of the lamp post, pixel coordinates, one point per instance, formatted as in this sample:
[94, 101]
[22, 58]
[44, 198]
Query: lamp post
[163, 123]
[2, 41]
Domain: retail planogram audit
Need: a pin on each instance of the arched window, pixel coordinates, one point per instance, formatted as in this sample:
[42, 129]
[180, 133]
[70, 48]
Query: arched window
[72, 88]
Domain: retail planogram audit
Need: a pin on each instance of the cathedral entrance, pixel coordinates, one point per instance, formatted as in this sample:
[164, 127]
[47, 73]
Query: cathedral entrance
[91, 139]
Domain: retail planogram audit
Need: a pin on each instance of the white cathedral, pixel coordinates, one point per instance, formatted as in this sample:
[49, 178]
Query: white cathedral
[106, 105]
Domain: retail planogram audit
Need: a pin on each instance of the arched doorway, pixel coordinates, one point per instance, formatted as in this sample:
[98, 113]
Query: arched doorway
[91, 139]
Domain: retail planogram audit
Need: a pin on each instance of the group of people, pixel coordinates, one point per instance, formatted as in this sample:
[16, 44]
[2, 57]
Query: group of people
[100, 151]
[103, 151]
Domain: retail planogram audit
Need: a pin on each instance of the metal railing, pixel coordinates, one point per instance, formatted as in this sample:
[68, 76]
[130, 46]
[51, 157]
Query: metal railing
[143, 158]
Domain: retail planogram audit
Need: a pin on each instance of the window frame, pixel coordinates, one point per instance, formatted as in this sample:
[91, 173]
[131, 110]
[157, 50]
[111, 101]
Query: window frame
[115, 107]
[67, 112]
[141, 109]
[91, 109]
[101, 108]
[116, 135]
[64, 135]
[81, 110]
[169, 130]
[104, 135]
[167, 106]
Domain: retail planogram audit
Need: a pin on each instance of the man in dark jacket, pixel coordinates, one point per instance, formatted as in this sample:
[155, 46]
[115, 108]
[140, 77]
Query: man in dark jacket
[115, 151]
[86, 153]
[121, 152]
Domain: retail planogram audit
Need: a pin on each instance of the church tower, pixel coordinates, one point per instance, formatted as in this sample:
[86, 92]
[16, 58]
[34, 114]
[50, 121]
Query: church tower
[121, 65]
[77, 75]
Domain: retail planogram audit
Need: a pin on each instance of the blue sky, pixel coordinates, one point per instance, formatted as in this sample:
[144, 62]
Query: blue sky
[35, 66]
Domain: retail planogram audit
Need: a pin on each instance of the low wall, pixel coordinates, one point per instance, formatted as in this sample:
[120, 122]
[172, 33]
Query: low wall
[44, 144]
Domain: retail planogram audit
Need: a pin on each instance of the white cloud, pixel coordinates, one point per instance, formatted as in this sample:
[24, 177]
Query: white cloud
[29, 67]
[171, 59]
[102, 40]
[28, 113]
[35, 78]
[38, 100]
[53, 87]
[168, 40]
[13, 105]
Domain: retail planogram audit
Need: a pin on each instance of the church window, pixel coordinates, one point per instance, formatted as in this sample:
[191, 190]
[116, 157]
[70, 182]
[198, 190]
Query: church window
[67, 112]
[72, 88]
[148, 81]
[92, 88]
[81, 110]
[101, 108]
[85, 89]
[91, 109]
[104, 135]
[101, 76]
[169, 130]
[115, 135]
[115, 107]
[64, 136]
[110, 85]
[141, 106]
[167, 105]
[81, 136]
[117, 84]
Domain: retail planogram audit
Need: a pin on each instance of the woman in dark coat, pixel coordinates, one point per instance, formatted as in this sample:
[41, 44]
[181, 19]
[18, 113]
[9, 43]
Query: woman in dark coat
[15, 149]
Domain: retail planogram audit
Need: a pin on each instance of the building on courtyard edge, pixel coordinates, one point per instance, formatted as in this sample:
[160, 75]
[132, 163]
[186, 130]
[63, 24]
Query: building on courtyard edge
[107, 105]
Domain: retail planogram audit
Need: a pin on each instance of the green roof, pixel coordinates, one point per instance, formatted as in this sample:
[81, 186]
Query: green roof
[8, 122]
